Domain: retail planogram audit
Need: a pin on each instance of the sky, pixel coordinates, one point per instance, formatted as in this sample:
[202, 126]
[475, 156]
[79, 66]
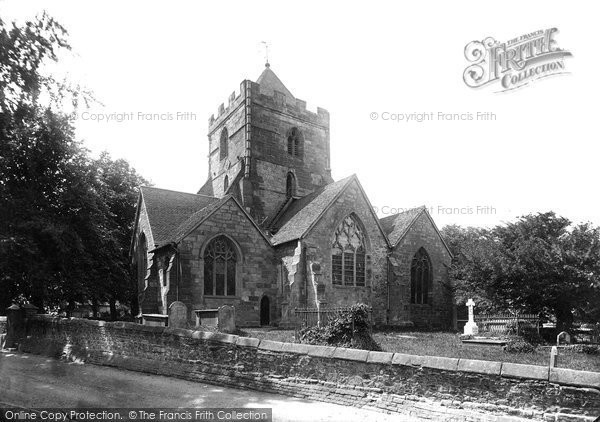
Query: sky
[364, 62]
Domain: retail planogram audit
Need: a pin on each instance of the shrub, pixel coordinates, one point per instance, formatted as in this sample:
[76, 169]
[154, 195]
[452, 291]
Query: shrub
[314, 335]
[351, 328]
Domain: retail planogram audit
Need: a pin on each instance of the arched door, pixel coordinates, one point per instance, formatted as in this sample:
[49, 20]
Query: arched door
[265, 311]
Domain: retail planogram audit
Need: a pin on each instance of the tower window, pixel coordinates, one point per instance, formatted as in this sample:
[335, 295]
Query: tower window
[294, 142]
[224, 144]
[420, 277]
[290, 185]
[225, 184]
[220, 267]
[348, 254]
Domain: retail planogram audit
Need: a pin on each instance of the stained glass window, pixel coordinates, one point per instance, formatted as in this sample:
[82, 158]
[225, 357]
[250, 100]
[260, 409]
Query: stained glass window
[219, 268]
[348, 254]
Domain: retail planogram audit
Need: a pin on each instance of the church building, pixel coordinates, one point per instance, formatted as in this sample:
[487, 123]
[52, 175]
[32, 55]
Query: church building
[271, 231]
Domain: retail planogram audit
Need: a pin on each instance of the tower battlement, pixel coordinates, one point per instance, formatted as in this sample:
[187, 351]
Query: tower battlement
[273, 99]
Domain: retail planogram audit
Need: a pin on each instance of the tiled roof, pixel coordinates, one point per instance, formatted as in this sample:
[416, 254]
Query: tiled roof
[168, 209]
[195, 219]
[395, 226]
[302, 213]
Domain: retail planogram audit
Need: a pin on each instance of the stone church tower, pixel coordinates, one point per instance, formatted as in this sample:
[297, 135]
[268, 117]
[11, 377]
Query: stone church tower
[265, 148]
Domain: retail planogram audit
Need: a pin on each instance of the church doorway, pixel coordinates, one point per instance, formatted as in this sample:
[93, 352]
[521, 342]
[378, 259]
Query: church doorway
[265, 311]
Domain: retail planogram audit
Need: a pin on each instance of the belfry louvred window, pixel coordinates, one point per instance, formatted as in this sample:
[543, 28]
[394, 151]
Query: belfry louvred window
[219, 267]
[294, 142]
[348, 254]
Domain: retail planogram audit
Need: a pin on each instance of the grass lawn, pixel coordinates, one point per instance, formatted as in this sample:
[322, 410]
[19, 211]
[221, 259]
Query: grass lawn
[449, 345]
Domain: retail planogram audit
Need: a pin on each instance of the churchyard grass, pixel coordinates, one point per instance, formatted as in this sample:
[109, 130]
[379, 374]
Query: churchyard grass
[448, 344]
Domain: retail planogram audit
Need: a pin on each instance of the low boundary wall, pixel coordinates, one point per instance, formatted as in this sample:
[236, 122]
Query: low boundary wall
[437, 388]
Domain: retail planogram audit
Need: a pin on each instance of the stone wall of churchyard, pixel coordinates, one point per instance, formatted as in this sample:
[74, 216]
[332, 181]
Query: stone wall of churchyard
[430, 387]
[2, 324]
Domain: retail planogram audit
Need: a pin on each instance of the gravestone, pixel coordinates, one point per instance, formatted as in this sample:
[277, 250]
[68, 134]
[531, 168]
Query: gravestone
[563, 338]
[471, 327]
[226, 319]
[178, 315]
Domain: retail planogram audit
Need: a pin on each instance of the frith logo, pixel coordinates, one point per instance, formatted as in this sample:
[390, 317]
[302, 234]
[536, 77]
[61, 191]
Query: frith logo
[514, 63]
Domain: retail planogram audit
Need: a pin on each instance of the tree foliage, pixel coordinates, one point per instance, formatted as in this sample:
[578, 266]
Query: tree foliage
[65, 218]
[539, 264]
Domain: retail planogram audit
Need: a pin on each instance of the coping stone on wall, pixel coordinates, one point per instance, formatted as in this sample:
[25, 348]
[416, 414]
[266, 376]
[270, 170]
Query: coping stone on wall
[179, 332]
[247, 342]
[273, 346]
[576, 378]
[434, 362]
[520, 370]
[351, 354]
[216, 337]
[320, 351]
[93, 322]
[480, 366]
[299, 348]
[380, 357]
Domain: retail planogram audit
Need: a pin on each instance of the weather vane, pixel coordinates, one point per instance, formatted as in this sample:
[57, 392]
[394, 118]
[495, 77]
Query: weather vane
[266, 44]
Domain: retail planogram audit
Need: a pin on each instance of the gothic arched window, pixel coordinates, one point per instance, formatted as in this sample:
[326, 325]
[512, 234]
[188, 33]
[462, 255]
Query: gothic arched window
[420, 277]
[348, 254]
[290, 185]
[219, 267]
[294, 142]
[224, 144]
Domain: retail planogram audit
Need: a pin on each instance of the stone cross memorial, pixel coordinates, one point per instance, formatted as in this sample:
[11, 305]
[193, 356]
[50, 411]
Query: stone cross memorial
[471, 326]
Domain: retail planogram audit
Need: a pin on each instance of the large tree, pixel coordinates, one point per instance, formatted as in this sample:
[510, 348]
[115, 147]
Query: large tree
[65, 218]
[540, 263]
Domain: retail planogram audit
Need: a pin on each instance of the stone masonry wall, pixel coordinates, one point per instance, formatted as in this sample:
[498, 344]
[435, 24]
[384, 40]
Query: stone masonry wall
[437, 313]
[147, 285]
[231, 118]
[271, 123]
[435, 388]
[256, 273]
[321, 237]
